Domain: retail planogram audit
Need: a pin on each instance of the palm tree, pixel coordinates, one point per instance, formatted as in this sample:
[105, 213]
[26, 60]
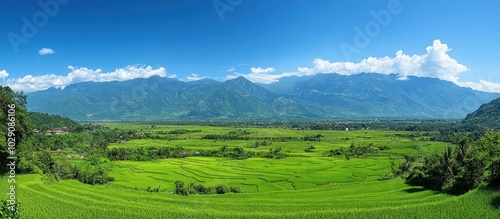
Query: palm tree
[447, 163]
[463, 150]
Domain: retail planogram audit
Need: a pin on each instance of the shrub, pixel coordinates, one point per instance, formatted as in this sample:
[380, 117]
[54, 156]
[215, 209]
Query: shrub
[62, 170]
[310, 149]
[234, 189]
[192, 188]
[5, 212]
[494, 178]
[91, 174]
[26, 167]
[221, 189]
[180, 189]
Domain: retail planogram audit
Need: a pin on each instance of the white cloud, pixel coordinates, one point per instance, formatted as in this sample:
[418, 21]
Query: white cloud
[4, 74]
[260, 70]
[195, 77]
[231, 69]
[436, 63]
[31, 83]
[46, 51]
[482, 85]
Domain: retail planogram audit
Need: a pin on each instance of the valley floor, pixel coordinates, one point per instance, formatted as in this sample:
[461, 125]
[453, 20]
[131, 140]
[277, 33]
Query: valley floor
[306, 184]
[377, 199]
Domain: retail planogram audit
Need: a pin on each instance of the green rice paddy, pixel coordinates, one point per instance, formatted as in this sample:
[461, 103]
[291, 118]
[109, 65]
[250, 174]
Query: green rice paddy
[304, 185]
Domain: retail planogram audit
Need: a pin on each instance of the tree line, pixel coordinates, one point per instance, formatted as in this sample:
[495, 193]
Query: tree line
[456, 170]
[154, 153]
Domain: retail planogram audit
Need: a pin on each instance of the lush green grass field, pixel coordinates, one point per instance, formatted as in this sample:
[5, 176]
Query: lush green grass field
[332, 139]
[251, 175]
[377, 199]
[304, 185]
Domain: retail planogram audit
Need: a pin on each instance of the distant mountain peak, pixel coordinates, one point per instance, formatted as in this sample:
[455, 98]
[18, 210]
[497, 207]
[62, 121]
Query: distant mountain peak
[322, 96]
[240, 79]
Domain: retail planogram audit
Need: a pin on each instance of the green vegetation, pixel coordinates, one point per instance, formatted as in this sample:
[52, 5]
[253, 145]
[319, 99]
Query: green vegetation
[43, 121]
[375, 199]
[488, 115]
[255, 170]
[192, 188]
[135, 177]
[458, 169]
[355, 151]
[6, 212]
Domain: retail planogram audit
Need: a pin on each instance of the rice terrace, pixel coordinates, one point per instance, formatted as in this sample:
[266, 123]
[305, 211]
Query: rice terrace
[277, 172]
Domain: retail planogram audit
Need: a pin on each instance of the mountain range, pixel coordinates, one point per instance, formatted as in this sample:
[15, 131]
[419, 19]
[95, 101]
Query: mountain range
[318, 97]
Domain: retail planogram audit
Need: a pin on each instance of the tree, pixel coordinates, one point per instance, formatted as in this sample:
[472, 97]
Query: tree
[494, 169]
[463, 169]
[463, 150]
[13, 118]
[470, 176]
[447, 162]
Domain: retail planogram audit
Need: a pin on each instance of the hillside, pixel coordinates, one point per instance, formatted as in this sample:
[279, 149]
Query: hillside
[44, 121]
[366, 95]
[156, 99]
[323, 96]
[488, 115]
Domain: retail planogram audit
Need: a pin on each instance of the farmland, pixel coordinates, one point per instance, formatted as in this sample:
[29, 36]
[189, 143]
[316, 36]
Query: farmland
[304, 184]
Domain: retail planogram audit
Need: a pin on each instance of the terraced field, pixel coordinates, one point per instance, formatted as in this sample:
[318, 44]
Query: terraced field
[251, 175]
[377, 199]
[303, 185]
[332, 139]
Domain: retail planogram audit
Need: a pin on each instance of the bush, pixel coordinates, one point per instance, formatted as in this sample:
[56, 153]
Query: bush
[26, 167]
[180, 189]
[192, 188]
[5, 212]
[310, 149]
[234, 189]
[149, 189]
[221, 189]
[416, 178]
[91, 174]
[419, 178]
[494, 178]
[62, 170]
[460, 186]
[201, 189]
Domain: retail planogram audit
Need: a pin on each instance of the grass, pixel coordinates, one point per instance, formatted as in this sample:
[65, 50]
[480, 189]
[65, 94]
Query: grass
[333, 139]
[304, 185]
[252, 175]
[376, 199]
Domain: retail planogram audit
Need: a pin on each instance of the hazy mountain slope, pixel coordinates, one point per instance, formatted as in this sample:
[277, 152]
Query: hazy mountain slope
[159, 98]
[488, 114]
[384, 95]
[323, 96]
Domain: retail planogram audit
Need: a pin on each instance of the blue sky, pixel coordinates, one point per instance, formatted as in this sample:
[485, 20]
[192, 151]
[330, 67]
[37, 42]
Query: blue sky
[81, 40]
